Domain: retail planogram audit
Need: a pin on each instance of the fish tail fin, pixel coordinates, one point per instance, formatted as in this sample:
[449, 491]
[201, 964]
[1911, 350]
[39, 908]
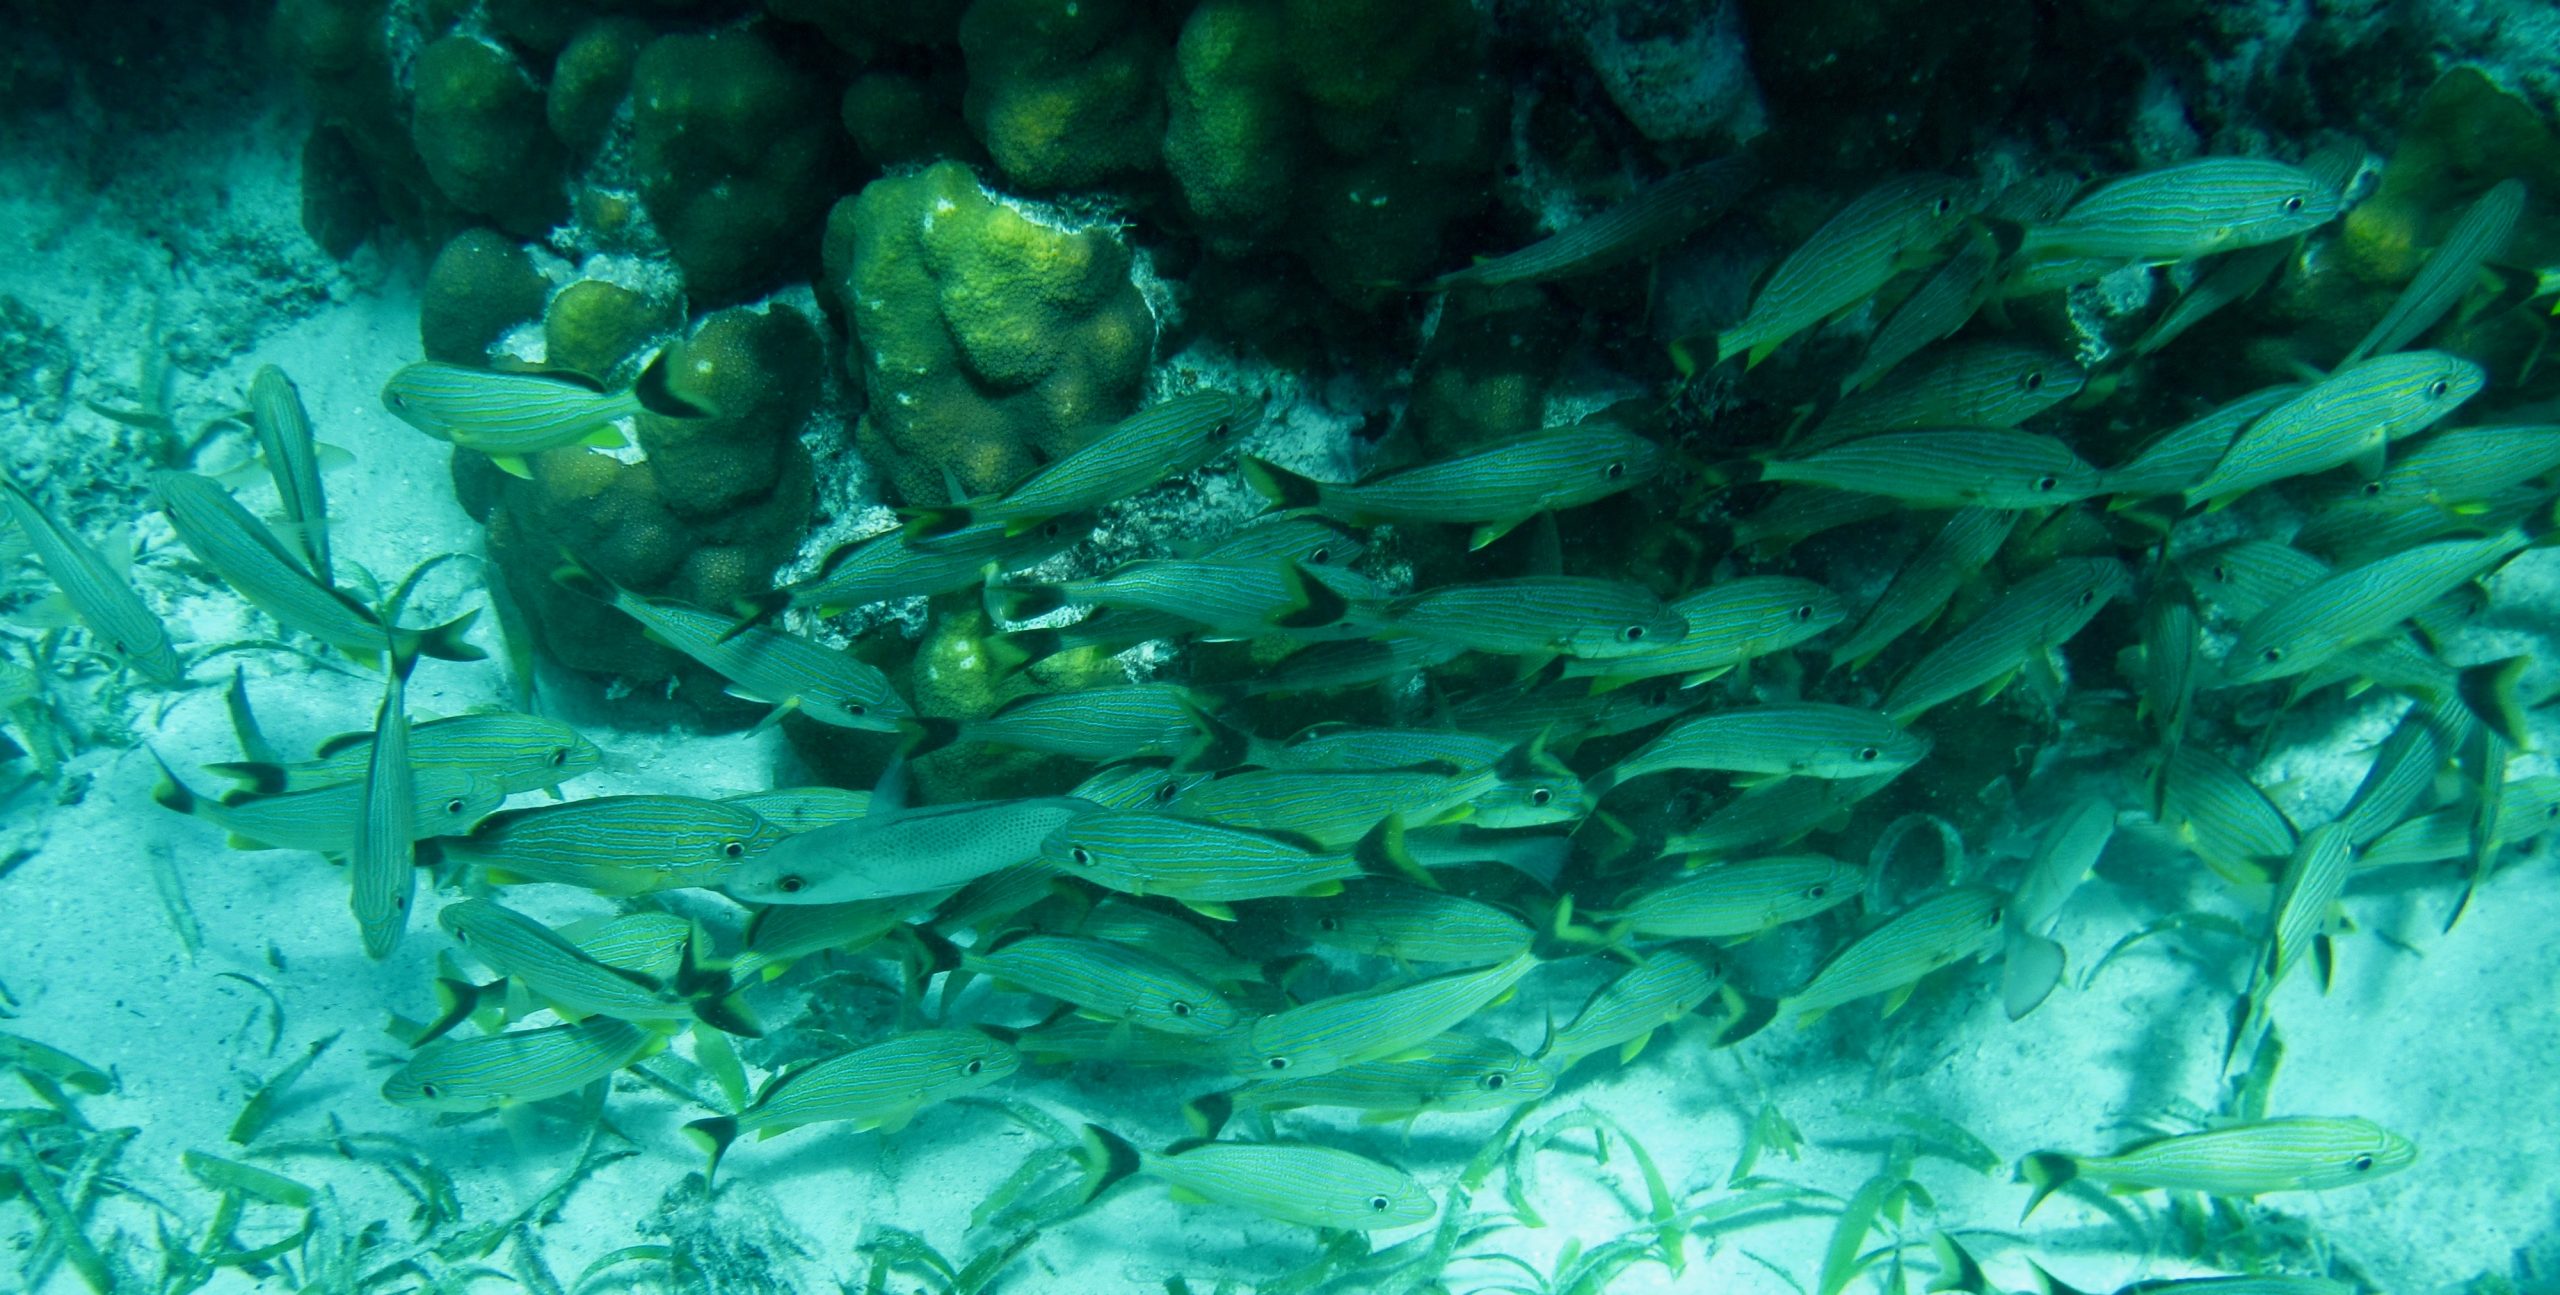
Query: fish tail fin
[714, 996]
[1693, 355]
[932, 523]
[2053, 1285]
[1751, 1014]
[1009, 653]
[2046, 1172]
[1313, 603]
[1957, 1270]
[756, 611]
[2489, 693]
[2007, 236]
[451, 640]
[1208, 1113]
[1022, 602]
[1108, 1158]
[930, 733]
[262, 776]
[656, 396]
[169, 792]
[1285, 489]
[578, 578]
[713, 1135]
[1383, 852]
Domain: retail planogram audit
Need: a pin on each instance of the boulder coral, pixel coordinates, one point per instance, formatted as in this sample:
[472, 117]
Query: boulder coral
[1063, 92]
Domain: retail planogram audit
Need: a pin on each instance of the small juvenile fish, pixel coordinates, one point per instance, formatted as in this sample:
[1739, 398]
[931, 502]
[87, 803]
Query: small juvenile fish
[618, 845]
[1155, 444]
[1776, 740]
[515, 752]
[327, 820]
[1126, 722]
[1202, 865]
[2297, 924]
[1892, 959]
[1330, 1034]
[785, 671]
[1318, 1187]
[256, 565]
[1666, 212]
[1949, 468]
[2185, 455]
[1451, 1075]
[1934, 310]
[2462, 466]
[293, 459]
[1409, 924]
[577, 982]
[2026, 625]
[2186, 210]
[1977, 384]
[97, 590]
[513, 416]
[1919, 592]
[1625, 1013]
[877, 1087]
[889, 566]
[918, 850]
[384, 863]
[2350, 414]
[492, 1070]
[2033, 962]
[1735, 900]
[1730, 624]
[1492, 488]
[1846, 261]
[2478, 239]
[2325, 618]
[2212, 809]
[1573, 616]
[2300, 1153]
[1109, 980]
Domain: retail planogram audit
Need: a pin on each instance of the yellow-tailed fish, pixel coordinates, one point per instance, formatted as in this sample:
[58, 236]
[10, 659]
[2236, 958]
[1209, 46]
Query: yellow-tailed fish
[1308, 541]
[384, 863]
[1450, 1075]
[2476, 240]
[916, 850]
[1202, 865]
[890, 566]
[1936, 309]
[1154, 444]
[293, 460]
[1920, 590]
[803, 809]
[2460, 467]
[2297, 926]
[512, 416]
[2185, 455]
[1139, 784]
[1799, 739]
[652, 944]
[784, 671]
[1502, 783]
[1734, 900]
[1977, 384]
[1408, 924]
[1332, 807]
[1128, 722]
[2356, 530]
[1730, 623]
[1109, 980]
[1662, 214]
[2349, 415]
[1318, 1187]
[1373, 1024]
[576, 983]
[618, 845]
[2240, 579]
[1539, 616]
[1892, 959]
[327, 819]
[2018, 632]
[877, 1087]
[2234, 277]
[1846, 261]
[1625, 1013]
[1124, 921]
[1492, 488]
[2527, 808]
[513, 751]
[256, 565]
[1773, 815]
[2316, 623]
[2185, 210]
[2214, 810]
[1321, 548]
[2299, 1153]
[2172, 666]
[97, 589]
[2405, 768]
[492, 1070]
[2033, 963]
[1949, 468]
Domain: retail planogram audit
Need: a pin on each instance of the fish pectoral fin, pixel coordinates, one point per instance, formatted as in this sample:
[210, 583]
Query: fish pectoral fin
[331, 458]
[513, 465]
[1180, 1195]
[1902, 994]
[1634, 1047]
[774, 716]
[607, 437]
[1212, 909]
[1491, 531]
[51, 612]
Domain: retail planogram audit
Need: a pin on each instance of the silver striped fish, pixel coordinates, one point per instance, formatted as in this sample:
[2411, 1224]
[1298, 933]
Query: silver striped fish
[1126, 722]
[1772, 815]
[1408, 924]
[1776, 740]
[1155, 444]
[513, 751]
[1956, 554]
[1625, 1013]
[917, 850]
[1122, 921]
[292, 453]
[492, 1070]
[1976, 384]
[1201, 865]
[2404, 769]
[1574, 616]
[2527, 808]
[2209, 806]
[2240, 579]
[782, 934]
[1734, 900]
[327, 820]
[2172, 664]
[1492, 488]
[889, 566]
[2350, 414]
[383, 866]
[1730, 623]
[1949, 468]
[1846, 261]
[577, 982]
[877, 1087]
[1799, 513]
[2186, 210]
[2459, 468]
[2235, 277]
[1318, 1187]
[2325, 618]
[618, 845]
[510, 416]
[97, 590]
[1664, 213]
[2028, 622]
[1229, 598]
[2299, 1153]
[1330, 1034]
[1332, 807]
[2185, 455]
[1450, 1075]
[1936, 309]
[256, 565]
[2476, 240]
[1892, 959]
[1111, 980]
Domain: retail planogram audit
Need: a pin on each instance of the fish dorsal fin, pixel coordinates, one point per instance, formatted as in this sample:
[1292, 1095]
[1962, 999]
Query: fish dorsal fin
[1187, 1144]
[889, 795]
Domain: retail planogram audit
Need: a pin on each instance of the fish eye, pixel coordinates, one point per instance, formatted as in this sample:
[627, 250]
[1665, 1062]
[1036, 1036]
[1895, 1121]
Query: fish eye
[1218, 431]
[1944, 205]
[2088, 596]
[2044, 484]
[974, 1066]
[1632, 633]
[1541, 796]
[1378, 1204]
[1996, 914]
[1168, 791]
[559, 756]
[1328, 924]
[1277, 1063]
[854, 708]
[2221, 574]
[1868, 754]
[1614, 471]
[1080, 854]
[426, 1090]
[454, 806]
[2293, 203]
[1494, 1080]
[1181, 1008]
[790, 884]
[2372, 488]
[1817, 890]
[2361, 1164]
[1051, 530]
[733, 849]
[2035, 380]
[2438, 388]
[1323, 553]
[2272, 655]
[1805, 613]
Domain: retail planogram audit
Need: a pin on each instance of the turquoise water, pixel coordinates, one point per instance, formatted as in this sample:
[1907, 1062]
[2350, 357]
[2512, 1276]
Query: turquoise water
[1311, 646]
